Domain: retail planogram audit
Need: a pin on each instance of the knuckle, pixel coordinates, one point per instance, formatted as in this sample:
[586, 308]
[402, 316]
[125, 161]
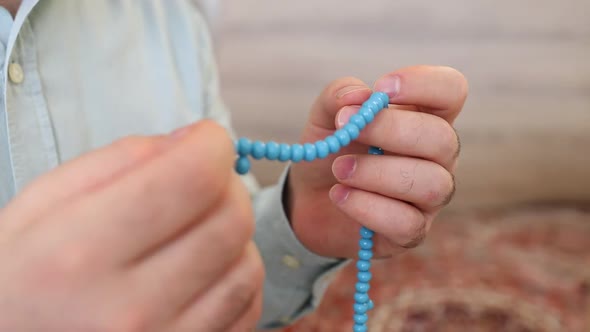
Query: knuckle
[411, 129]
[450, 145]
[443, 187]
[450, 189]
[407, 177]
[416, 229]
[457, 144]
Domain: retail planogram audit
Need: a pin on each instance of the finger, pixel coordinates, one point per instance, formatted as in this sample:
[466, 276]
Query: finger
[339, 93]
[419, 182]
[87, 173]
[152, 204]
[225, 304]
[249, 320]
[408, 133]
[400, 223]
[435, 89]
[195, 259]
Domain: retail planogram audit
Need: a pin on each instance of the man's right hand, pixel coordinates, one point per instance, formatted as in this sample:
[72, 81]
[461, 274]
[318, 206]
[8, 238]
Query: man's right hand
[147, 234]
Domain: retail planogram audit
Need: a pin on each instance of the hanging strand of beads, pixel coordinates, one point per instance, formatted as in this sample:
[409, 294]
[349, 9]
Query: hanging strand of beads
[319, 150]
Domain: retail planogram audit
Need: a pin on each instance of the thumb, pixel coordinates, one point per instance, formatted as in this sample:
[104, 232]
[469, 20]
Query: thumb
[348, 91]
[336, 95]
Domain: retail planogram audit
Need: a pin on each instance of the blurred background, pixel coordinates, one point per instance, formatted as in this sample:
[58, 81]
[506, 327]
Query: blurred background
[512, 252]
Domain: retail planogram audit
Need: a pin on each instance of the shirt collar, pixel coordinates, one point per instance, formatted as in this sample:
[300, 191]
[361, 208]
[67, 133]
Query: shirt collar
[23, 12]
[5, 26]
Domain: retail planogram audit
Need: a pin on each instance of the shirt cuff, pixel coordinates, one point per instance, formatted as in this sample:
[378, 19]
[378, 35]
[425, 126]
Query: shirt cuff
[296, 278]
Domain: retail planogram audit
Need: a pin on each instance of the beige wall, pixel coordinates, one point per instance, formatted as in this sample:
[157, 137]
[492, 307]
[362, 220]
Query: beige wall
[526, 124]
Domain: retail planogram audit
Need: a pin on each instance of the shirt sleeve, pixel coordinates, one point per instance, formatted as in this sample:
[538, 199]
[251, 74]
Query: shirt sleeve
[295, 277]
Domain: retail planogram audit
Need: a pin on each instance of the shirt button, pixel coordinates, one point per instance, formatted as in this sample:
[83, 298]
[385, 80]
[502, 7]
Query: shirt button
[15, 73]
[286, 320]
[291, 262]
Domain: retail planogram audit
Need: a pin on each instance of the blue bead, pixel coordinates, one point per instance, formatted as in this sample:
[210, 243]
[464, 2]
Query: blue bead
[362, 287]
[353, 131]
[375, 150]
[361, 319]
[367, 115]
[378, 100]
[362, 265]
[258, 150]
[370, 304]
[342, 136]
[359, 328]
[360, 308]
[361, 297]
[365, 254]
[372, 106]
[310, 152]
[322, 148]
[378, 106]
[333, 144]
[366, 233]
[383, 98]
[364, 276]
[358, 120]
[272, 150]
[366, 244]
[244, 147]
[242, 165]
[296, 153]
[285, 152]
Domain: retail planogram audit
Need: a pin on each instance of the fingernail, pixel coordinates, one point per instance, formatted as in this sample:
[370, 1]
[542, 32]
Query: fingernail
[344, 167]
[389, 84]
[345, 114]
[339, 194]
[349, 89]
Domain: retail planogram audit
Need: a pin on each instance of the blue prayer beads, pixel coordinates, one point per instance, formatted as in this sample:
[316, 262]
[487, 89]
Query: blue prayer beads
[362, 301]
[309, 152]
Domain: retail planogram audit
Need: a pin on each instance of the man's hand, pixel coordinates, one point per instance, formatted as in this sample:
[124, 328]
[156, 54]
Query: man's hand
[398, 194]
[148, 234]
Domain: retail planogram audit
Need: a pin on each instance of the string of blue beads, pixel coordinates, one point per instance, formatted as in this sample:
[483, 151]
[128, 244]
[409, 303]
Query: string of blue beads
[319, 150]
[362, 302]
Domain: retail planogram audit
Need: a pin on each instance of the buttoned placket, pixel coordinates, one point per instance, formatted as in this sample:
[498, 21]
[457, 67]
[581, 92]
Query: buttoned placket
[6, 177]
[33, 148]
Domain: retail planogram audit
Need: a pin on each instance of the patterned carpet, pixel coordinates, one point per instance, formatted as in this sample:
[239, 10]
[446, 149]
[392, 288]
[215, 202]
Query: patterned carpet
[520, 271]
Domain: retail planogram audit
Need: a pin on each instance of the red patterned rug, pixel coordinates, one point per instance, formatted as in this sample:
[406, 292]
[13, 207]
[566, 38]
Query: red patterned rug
[519, 271]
